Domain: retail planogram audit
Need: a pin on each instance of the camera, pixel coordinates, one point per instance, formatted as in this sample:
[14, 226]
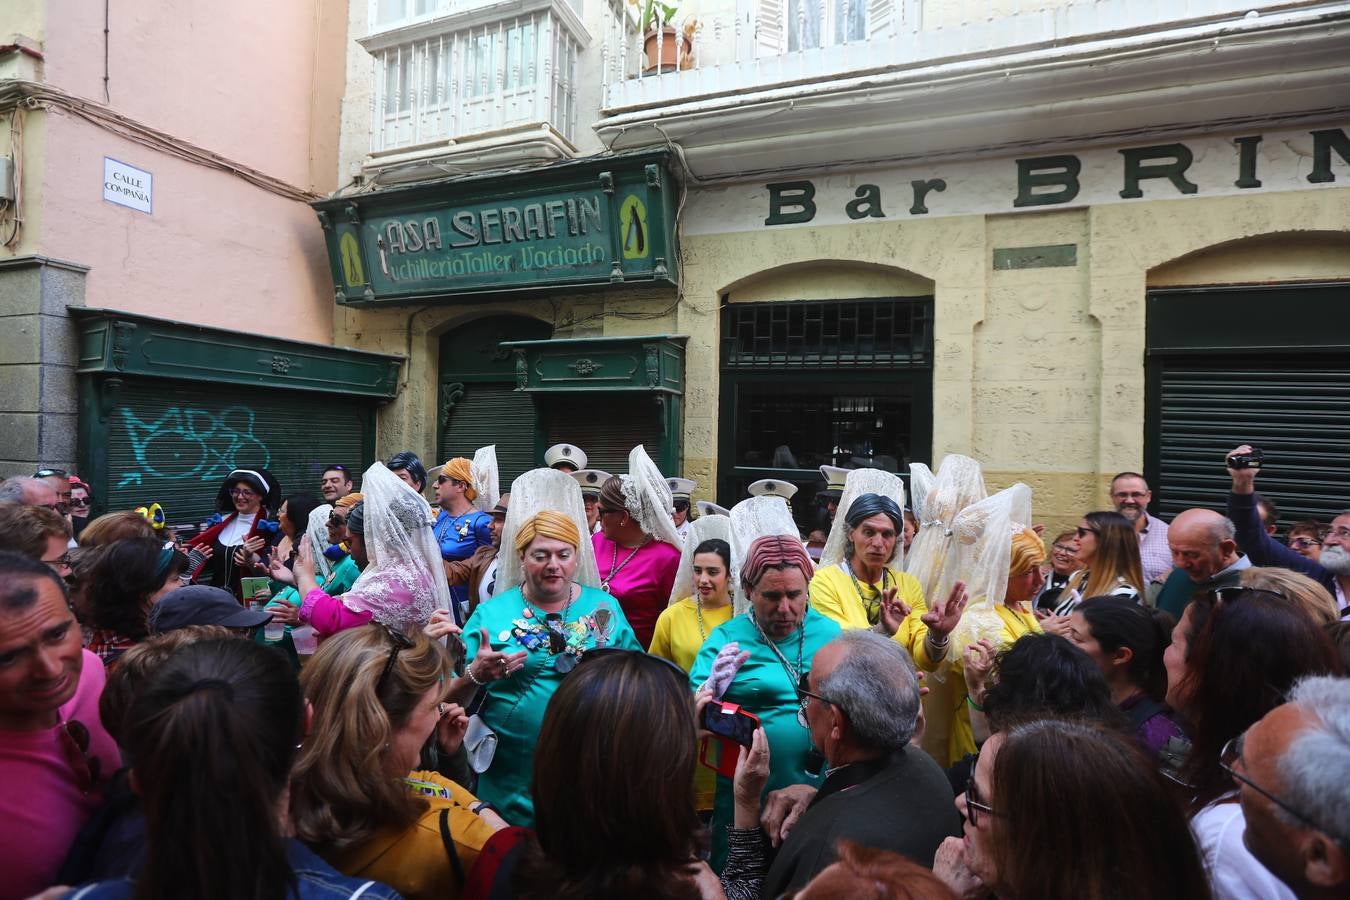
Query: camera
[1250, 460]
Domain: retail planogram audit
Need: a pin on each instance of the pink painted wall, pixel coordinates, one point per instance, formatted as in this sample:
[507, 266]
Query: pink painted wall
[256, 81]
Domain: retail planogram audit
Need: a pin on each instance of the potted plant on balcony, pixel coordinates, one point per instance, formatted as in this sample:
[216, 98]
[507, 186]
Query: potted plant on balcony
[666, 48]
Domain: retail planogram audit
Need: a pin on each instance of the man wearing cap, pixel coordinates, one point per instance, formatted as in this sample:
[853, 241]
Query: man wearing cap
[828, 499]
[590, 481]
[478, 573]
[201, 604]
[773, 487]
[565, 458]
[461, 528]
[680, 491]
[708, 508]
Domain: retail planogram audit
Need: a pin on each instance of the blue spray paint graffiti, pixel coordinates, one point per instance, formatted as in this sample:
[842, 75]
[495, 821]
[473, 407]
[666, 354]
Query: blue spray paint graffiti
[193, 444]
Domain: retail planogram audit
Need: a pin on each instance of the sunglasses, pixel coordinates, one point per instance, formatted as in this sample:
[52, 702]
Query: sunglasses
[400, 642]
[1084, 532]
[51, 473]
[1220, 596]
[79, 502]
[973, 806]
[75, 743]
[1231, 754]
[609, 510]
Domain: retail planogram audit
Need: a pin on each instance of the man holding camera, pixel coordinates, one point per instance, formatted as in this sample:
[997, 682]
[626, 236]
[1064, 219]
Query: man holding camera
[1332, 569]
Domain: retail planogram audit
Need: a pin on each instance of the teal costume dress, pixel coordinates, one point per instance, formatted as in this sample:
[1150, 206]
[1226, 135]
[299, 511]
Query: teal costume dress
[340, 581]
[764, 687]
[515, 705]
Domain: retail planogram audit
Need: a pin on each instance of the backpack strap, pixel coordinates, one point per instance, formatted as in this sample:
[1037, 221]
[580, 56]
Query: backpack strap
[456, 867]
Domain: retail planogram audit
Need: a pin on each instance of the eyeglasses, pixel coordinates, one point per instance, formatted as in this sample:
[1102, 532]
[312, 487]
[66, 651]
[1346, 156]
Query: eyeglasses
[1231, 754]
[335, 518]
[975, 807]
[75, 742]
[51, 473]
[243, 493]
[1066, 550]
[62, 560]
[400, 642]
[803, 693]
[1342, 534]
[1303, 543]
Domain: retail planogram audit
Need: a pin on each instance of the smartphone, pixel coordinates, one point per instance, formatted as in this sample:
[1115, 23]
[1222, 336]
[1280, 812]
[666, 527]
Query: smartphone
[726, 720]
[251, 585]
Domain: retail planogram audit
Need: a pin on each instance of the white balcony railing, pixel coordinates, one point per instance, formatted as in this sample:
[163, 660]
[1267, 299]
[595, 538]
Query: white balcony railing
[472, 80]
[743, 45]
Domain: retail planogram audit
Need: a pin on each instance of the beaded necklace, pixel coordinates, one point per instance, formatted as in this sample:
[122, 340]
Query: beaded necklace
[871, 607]
[615, 567]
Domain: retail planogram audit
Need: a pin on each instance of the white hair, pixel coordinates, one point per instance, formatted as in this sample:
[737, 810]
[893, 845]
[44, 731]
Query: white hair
[1315, 770]
[875, 686]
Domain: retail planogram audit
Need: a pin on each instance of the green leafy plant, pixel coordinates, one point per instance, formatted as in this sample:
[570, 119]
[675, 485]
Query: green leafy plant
[649, 12]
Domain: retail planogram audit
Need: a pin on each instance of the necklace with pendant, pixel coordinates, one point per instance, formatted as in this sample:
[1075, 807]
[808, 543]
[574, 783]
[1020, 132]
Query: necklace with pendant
[615, 567]
[871, 608]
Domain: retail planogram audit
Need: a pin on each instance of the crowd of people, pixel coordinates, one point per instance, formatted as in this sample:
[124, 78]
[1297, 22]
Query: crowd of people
[402, 682]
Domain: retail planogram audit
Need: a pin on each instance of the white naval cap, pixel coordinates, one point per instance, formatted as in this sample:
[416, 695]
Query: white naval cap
[564, 454]
[834, 480]
[708, 508]
[681, 488]
[772, 487]
[591, 480]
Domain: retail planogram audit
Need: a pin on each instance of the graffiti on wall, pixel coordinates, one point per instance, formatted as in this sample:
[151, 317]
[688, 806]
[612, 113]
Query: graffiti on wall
[187, 443]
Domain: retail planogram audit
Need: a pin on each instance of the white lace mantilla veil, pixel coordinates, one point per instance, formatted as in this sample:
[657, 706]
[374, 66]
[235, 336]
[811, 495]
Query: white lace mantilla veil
[704, 528]
[647, 498]
[540, 489]
[317, 532]
[958, 484]
[405, 580]
[857, 483]
[486, 480]
[752, 519]
[980, 558]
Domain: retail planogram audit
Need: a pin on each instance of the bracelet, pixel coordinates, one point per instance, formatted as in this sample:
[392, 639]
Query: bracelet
[477, 808]
[938, 644]
[973, 705]
[468, 670]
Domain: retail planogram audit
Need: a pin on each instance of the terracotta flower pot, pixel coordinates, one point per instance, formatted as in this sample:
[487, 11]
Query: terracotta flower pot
[663, 44]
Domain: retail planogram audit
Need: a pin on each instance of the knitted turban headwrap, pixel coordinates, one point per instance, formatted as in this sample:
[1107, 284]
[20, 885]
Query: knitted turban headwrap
[348, 501]
[459, 469]
[774, 551]
[548, 524]
[1027, 550]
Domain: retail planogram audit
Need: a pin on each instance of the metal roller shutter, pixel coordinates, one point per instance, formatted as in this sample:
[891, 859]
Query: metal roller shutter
[1296, 408]
[173, 443]
[606, 426]
[492, 413]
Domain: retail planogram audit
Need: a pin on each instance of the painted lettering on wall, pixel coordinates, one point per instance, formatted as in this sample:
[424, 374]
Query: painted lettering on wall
[192, 444]
[1202, 167]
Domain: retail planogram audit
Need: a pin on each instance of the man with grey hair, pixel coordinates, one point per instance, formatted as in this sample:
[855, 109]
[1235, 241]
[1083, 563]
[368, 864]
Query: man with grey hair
[861, 704]
[1292, 769]
[29, 492]
[1332, 566]
[1205, 553]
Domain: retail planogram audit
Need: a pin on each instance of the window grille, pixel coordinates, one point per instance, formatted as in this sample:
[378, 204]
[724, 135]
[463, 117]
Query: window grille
[828, 334]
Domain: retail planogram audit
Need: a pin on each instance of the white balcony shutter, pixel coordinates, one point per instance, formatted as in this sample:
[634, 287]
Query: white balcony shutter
[770, 28]
[880, 17]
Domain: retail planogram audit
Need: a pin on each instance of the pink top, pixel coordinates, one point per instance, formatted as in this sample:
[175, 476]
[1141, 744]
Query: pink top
[42, 807]
[329, 615]
[642, 585]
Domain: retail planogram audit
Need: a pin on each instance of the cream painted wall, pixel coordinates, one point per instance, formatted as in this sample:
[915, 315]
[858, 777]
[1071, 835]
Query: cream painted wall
[248, 80]
[1039, 373]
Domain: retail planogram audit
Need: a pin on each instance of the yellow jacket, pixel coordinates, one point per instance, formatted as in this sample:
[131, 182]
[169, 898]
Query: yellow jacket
[414, 861]
[834, 594]
[913, 634]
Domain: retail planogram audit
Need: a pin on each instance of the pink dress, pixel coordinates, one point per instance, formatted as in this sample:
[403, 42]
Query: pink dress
[642, 585]
[42, 807]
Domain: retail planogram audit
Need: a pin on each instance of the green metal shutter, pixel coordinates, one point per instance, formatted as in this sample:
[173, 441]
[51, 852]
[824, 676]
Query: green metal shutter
[1296, 408]
[173, 443]
[492, 413]
[607, 426]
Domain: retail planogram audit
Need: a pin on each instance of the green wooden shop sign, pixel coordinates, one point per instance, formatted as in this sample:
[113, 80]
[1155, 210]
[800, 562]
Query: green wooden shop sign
[597, 222]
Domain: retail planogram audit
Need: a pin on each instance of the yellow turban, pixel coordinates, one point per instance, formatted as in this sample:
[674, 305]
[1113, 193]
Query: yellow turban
[349, 500]
[1027, 550]
[460, 469]
[548, 524]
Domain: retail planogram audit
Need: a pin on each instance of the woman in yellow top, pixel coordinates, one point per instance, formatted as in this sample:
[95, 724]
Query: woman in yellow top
[929, 642]
[357, 797]
[684, 625]
[852, 591]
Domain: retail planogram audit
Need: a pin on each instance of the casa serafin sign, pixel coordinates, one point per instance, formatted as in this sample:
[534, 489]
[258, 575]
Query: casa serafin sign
[594, 223]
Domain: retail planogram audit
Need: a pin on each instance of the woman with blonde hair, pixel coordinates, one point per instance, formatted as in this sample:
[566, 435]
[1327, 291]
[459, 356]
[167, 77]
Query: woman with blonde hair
[1315, 600]
[1108, 551]
[378, 695]
[527, 637]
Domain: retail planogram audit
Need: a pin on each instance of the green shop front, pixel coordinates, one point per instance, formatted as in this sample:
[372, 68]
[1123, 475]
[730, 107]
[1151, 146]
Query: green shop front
[168, 409]
[518, 274]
